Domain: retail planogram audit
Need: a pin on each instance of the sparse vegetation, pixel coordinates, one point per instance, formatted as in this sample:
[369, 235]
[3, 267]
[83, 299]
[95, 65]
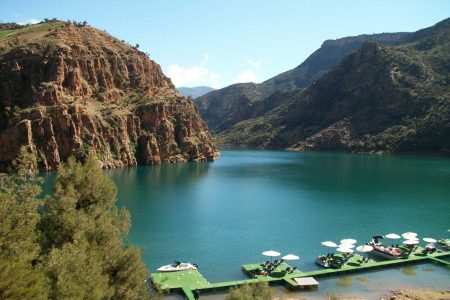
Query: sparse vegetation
[390, 99]
[257, 291]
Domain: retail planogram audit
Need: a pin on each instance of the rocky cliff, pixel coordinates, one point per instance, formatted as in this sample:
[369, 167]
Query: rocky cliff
[390, 99]
[223, 108]
[66, 89]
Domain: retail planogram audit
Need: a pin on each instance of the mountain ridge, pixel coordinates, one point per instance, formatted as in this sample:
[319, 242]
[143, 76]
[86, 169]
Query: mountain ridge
[69, 88]
[227, 106]
[390, 99]
[194, 92]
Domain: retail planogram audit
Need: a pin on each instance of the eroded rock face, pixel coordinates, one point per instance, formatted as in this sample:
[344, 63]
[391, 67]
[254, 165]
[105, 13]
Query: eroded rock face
[72, 89]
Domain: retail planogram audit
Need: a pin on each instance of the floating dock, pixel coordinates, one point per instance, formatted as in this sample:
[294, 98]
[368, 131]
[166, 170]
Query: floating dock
[190, 280]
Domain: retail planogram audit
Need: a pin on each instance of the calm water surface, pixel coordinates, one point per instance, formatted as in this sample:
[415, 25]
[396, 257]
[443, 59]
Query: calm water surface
[223, 214]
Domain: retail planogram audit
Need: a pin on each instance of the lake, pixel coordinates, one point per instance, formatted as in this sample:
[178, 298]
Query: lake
[223, 214]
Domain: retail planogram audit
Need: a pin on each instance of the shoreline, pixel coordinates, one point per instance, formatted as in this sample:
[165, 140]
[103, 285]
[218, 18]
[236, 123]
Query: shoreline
[418, 294]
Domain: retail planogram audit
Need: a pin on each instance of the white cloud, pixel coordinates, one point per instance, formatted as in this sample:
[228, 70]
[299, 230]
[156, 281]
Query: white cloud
[254, 63]
[193, 76]
[245, 76]
[29, 21]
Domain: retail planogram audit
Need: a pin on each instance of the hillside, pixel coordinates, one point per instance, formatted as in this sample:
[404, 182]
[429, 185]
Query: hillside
[378, 99]
[225, 107]
[195, 91]
[68, 88]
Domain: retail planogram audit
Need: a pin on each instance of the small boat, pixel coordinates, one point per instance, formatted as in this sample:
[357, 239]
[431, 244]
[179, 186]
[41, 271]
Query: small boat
[389, 252]
[329, 261]
[177, 266]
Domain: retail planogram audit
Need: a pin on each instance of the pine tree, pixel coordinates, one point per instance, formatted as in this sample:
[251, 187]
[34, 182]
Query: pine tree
[21, 273]
[84, 235]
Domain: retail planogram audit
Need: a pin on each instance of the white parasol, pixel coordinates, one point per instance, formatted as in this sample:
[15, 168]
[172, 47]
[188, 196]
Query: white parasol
[290, 257]
[364, 248]
[329, 244]
[271, 253]
[430, 240]
[392, 236]
[348, 241]
[350, 246]
[344, 250]
[409, 235]
[411, 242]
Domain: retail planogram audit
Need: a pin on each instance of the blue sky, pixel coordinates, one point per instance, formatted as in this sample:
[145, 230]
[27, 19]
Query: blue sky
[218, 43]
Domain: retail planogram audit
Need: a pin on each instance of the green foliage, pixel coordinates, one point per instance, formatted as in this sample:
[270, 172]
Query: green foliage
[395, 99]
[72, 247]
[84, 233]
[75, 272]
[257, 291]
[21, 274]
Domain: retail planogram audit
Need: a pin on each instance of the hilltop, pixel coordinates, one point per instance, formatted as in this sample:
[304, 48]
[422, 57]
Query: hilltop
[67, 88]
[223, 108]
[391, 99]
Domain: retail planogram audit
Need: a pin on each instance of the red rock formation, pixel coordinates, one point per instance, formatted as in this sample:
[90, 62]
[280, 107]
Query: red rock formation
[68, 89]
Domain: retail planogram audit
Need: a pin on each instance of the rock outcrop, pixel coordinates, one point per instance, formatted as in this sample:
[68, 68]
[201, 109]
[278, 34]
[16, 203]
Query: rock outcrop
[223, 108]
[378, 99]
[67, 89]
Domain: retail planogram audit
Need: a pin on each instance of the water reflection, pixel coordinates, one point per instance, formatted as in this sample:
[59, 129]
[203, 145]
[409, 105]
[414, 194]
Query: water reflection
[344, 281]
[409, 270]
[362, 280]
[159, 176]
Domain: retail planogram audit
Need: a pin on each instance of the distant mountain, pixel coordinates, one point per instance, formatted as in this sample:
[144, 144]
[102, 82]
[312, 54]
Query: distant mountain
[225, 107]
[393, 99]
[194, 92]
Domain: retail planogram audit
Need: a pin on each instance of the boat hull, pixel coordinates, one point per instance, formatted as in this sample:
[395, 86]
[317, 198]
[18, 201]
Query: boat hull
[322, 263]
[384, 254]
[180, 267]
[330, 263]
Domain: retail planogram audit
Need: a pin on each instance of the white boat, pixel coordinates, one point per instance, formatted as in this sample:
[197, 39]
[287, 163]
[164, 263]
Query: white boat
[177, 266]
[387, 252]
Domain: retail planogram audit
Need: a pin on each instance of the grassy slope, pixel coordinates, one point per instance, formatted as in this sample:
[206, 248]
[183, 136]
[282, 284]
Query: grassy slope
[15, 37]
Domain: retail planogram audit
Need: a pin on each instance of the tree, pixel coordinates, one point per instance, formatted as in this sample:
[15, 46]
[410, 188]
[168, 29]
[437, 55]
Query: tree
[256, 291]
[71, 245]
[75, 272]
[21, 273]
[83, 237]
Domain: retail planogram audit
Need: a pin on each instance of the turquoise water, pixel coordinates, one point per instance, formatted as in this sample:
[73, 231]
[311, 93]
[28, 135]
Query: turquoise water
[368, 285]
[223, 214]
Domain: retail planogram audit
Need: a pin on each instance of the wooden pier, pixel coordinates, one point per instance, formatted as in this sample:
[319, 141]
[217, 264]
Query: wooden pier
[190, 280]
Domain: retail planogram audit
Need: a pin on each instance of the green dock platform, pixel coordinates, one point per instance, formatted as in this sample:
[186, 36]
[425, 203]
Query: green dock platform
[190, 280]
